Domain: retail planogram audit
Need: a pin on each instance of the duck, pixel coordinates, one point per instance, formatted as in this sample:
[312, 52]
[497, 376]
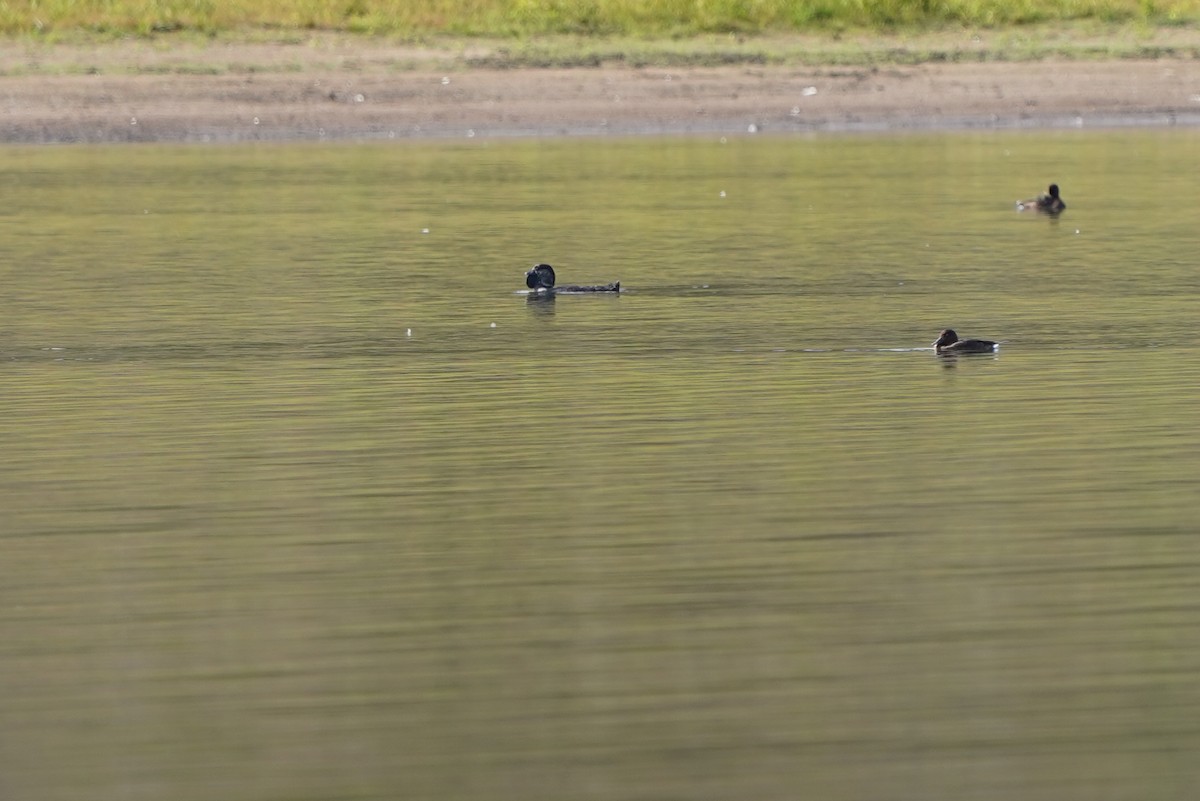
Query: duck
[1050, 202]
[540, 278]
[948, 342]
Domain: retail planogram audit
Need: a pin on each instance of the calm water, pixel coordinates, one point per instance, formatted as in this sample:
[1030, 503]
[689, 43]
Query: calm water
[302, 498]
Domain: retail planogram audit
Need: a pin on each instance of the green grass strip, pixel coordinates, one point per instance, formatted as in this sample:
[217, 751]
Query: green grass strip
[659, 19]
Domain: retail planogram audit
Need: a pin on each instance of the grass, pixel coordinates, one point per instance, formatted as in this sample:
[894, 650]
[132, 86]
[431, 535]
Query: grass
[273, 51]
[1067, 41]
[173, 35]
[521, 19]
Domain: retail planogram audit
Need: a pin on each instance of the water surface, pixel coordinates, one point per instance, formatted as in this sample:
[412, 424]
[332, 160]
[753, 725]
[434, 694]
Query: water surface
[304, 498]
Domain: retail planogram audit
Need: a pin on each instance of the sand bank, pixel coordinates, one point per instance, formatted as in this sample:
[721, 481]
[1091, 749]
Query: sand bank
[271, 93]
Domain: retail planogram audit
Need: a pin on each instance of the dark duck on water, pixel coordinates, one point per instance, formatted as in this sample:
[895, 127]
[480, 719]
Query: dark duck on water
[948, 343]
[1050, 203]
[541, 279]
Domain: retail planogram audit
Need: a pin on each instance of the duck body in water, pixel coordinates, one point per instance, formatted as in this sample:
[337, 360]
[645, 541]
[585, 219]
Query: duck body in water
[1050, 203]
[948, 343]
[541, 279]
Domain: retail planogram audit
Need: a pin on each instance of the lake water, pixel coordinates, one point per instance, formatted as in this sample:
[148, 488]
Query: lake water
[304, 498]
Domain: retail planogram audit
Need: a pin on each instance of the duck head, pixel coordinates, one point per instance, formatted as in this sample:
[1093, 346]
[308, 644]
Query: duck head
[540, 277]
[1053, 190]
[947, 337]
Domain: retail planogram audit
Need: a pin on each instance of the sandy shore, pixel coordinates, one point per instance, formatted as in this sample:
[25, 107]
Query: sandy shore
[284, 93]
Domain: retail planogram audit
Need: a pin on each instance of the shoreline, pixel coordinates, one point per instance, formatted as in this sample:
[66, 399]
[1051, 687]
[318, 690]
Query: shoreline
[294, 92]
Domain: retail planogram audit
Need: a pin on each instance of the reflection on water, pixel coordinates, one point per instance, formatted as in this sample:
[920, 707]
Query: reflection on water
[301, 501]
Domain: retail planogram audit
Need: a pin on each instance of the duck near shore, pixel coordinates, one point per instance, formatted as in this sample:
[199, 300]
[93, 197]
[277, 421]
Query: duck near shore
[540, 278]
[948, 343]
[1049, 203]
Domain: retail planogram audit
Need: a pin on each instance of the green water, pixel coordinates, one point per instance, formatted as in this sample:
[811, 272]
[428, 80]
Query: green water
[303, 498]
